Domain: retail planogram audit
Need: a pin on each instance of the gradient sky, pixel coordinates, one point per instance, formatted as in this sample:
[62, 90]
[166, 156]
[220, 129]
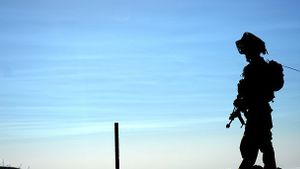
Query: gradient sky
[166, 70]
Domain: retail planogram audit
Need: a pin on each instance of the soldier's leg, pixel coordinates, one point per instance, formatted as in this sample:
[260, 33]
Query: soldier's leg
[249, 151]
[268, 153]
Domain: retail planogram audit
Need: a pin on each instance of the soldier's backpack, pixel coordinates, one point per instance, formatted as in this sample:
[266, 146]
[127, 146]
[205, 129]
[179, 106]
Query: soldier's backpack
[275, 74]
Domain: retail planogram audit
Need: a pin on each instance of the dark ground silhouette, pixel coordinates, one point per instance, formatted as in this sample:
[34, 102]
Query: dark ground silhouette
[8, 168]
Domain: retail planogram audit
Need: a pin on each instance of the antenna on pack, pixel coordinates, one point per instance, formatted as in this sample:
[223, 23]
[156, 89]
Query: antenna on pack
[291, 68]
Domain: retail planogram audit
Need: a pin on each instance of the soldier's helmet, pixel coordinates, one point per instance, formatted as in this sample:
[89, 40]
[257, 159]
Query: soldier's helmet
[250, 43]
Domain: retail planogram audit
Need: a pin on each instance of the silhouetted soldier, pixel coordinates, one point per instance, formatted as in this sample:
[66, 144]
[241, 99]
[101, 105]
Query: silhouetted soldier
[255, 90]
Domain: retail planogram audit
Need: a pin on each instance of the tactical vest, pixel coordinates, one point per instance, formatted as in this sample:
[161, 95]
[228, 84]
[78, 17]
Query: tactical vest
[260, 81]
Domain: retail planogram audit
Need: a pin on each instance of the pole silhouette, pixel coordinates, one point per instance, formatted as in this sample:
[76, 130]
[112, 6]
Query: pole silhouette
[117, 150]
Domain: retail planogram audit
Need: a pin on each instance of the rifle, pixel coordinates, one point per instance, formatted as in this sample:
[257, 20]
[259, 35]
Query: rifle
[236, 113]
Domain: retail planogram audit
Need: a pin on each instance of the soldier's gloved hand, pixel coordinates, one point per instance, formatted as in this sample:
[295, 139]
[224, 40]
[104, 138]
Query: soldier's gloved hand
[237, 103]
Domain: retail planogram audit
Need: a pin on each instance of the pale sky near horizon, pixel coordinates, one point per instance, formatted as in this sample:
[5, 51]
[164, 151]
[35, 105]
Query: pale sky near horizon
[166, 70]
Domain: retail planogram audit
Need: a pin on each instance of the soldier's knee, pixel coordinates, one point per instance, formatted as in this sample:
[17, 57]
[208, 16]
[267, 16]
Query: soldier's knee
[267, 147]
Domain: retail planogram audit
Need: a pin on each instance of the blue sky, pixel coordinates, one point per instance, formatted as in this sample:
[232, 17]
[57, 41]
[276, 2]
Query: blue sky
[166, 70]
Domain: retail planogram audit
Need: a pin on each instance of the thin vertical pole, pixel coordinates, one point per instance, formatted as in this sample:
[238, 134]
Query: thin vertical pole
[117, 150]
